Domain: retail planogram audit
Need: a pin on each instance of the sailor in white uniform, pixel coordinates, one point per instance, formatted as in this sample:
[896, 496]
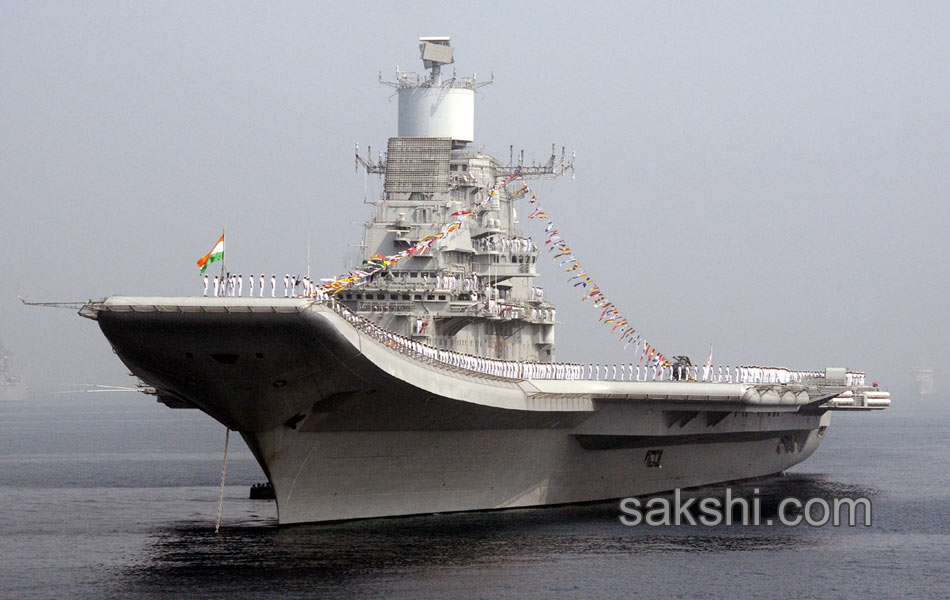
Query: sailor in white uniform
[286, 285]
[216, 286]
[250, 285]
[206, 285]
[262, 285]
[240, 289]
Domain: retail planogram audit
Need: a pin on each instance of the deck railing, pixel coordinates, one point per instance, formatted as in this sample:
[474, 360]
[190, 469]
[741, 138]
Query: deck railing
[509, 369]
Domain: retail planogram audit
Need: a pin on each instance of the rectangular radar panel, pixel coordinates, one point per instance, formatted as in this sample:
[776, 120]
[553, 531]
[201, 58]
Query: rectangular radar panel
[418, 165]
[437, 53]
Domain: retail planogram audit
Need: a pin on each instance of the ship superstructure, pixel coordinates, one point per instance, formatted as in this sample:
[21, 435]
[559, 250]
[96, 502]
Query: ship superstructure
[473, 292]
[431, 385]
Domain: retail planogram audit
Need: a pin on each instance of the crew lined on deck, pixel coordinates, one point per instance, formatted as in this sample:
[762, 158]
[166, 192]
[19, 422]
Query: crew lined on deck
[294, 286]
[232, 285]
[568, 371]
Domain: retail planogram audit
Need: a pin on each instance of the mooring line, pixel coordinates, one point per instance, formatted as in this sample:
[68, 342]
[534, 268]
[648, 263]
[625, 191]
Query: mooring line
[224, 468]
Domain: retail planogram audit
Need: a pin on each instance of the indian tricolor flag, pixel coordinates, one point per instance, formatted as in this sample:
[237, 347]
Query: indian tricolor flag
[217, 253]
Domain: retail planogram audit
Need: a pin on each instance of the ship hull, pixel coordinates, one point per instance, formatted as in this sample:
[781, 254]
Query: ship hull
[345, 426]
[354, 475]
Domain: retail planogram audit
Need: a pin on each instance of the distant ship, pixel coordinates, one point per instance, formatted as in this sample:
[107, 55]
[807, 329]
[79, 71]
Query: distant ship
[433, 386]
[12, 387]
[924, 376]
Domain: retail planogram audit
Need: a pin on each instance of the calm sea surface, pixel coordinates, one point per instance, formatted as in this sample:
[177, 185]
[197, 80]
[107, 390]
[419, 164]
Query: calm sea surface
[111, 495]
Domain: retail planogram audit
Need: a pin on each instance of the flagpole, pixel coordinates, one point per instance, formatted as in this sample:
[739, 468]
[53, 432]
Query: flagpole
[223, 254]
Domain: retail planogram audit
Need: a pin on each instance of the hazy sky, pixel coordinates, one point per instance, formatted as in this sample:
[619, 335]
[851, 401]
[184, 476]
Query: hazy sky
[768, 177]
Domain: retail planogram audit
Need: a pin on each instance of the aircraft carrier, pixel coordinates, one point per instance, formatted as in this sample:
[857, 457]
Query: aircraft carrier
[433, 386]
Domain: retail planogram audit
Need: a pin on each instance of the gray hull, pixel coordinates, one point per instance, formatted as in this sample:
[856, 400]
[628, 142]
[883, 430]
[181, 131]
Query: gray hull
[346, 427]
[335, 476]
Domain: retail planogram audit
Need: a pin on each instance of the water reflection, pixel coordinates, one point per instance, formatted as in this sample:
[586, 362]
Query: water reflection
[337, 553]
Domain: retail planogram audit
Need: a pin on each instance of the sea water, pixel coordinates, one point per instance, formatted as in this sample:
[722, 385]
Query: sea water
[115, 496]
